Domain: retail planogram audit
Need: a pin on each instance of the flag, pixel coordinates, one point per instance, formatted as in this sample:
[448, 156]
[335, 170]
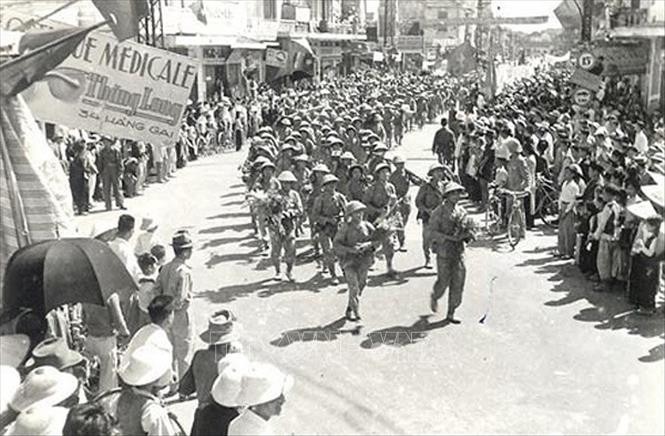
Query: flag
[462, 59]
[35, 199]
[199, 10]
[123, 16]
[37, 60]
[568, 15]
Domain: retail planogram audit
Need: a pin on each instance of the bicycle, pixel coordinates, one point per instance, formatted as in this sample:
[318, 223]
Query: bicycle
[547, 207]
[494, 214]
[516, 217]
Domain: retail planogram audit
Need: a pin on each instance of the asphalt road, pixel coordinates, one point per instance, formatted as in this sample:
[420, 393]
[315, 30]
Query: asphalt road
[551, 357]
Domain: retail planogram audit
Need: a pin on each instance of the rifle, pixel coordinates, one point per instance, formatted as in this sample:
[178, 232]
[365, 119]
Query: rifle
[383, 219]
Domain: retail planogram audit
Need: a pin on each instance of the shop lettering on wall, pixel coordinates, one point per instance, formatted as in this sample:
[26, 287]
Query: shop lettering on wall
[128, 59]
[122, 89]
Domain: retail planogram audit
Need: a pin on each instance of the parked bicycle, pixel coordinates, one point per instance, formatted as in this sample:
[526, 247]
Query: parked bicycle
[547, 208]
[513, 221]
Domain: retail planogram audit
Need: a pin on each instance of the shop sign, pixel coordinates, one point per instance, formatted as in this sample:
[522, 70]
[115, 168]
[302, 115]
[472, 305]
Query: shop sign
[276, 58]
[122, 89]
[585, 79]
[623, 58]
[582, 97]
[409, 44]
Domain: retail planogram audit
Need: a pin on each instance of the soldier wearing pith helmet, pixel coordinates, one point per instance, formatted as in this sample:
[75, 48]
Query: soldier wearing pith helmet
[450, 230]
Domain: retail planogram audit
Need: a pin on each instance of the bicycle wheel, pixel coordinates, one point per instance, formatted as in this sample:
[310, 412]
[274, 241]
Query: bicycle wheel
[548, 211]
[514, 227]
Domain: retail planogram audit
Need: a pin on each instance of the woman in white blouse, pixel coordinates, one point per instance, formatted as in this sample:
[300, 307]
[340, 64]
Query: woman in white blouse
[570, 190]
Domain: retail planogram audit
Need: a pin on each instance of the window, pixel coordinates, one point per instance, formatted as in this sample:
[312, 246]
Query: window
[442, 14]
[270, 9]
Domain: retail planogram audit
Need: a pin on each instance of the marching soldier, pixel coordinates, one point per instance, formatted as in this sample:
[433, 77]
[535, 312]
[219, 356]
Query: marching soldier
[357, 184]
[377, 157]
[354, 246]
[380, 200]
[318, 172]
[449, 232]
[342, 172]
[282, 225]
[402, 182]
[265, 184]
[430, 196]
[303, 185]
[111, 167]
[327, 213]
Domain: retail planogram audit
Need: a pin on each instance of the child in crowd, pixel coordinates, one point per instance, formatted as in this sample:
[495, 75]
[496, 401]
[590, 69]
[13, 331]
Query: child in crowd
[643, 283]
[570, 190]
[606, 235]
[159, 252]
[139, 301]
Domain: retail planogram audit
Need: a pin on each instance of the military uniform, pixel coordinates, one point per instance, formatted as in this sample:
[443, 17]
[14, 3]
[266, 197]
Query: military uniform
[377, 198]
[175, 279]
[282, 230]
[430, 196]
[355, 189]
[111, 166]
[355, 265]
[267, 186]
[451, 270]
[326, 215]
[402, 183]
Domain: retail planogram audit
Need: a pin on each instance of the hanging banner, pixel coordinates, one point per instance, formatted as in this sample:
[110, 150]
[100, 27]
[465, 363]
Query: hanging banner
[127, 90]
[586, 79]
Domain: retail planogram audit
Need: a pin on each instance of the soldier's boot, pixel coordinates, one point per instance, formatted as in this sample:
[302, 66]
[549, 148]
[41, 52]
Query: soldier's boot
[289, 272]
[278, 273]
[334, 280]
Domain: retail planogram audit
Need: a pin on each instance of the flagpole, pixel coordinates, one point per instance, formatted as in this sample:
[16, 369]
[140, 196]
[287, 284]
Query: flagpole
[32, 22]
[49, 45]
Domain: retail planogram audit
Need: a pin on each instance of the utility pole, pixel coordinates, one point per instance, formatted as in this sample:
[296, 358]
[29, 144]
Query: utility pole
[587, 20]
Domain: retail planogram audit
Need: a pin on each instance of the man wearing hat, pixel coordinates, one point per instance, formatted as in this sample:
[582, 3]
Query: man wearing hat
[146, 239]
[354, 245]
[222, 337]
[265, 184]
[444, 143]
[282, 219]
[377, 157]
[111, 167]
[175, 279]
[139, 410]
[214, 418]
[357, 183]
[401, 180]
[327, 211]
[430, 196]
[381, 200]
[262, 393]
[448, 235]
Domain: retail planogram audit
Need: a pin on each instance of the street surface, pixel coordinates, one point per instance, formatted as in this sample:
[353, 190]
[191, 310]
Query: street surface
[551, 357]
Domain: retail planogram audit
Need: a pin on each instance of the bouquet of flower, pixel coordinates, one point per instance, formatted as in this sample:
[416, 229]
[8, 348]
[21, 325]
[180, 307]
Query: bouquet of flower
[465, 226]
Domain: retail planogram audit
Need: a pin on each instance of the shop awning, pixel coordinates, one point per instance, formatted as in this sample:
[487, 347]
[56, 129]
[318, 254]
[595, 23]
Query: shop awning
[196, 40]
[326, 36]
[249, 44]
[639, 32]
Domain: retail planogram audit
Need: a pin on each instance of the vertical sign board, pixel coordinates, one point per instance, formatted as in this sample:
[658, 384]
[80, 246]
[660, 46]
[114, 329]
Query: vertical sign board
[122, 89]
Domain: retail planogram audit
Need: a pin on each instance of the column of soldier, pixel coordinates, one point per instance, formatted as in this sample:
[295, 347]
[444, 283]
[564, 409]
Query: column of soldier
[323, 168]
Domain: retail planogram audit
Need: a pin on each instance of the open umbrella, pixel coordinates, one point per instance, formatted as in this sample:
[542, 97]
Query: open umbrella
[49, 274]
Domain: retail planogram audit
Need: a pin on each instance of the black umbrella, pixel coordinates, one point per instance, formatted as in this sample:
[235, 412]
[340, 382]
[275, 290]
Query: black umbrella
[49, 274]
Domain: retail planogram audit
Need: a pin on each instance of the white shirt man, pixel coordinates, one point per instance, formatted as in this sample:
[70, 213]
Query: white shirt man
[124, 250]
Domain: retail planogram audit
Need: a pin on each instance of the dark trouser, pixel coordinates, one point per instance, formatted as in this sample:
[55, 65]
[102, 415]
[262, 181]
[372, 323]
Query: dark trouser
[451, 274]
[79, 187]
[527, 212]
[111, 179]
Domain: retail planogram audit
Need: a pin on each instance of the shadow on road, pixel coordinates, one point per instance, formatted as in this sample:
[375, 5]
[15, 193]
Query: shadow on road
[400, 336]
[222, 241]
[607, 310]
[245, 214]
[326, 333]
